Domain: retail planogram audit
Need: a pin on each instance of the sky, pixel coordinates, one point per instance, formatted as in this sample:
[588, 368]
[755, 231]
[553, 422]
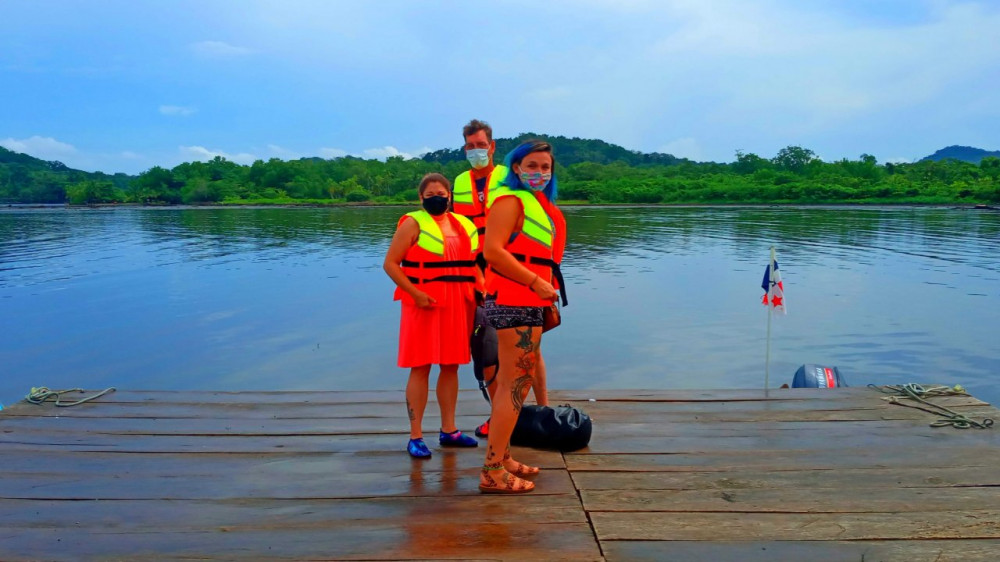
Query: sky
[122, 86]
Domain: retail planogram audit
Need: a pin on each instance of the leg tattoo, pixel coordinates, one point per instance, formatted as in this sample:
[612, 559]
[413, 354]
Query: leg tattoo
[409, 410]
[519, 391]
[526, 364]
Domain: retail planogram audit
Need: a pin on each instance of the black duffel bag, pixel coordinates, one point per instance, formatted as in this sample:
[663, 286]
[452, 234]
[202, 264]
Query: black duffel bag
[563, 428]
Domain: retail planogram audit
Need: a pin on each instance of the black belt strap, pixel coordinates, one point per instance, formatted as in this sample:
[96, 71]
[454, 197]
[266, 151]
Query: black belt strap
[438, 264]
[443, 278]
[556, 271]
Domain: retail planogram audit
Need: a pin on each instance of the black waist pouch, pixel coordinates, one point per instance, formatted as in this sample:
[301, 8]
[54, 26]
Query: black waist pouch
[563, 428]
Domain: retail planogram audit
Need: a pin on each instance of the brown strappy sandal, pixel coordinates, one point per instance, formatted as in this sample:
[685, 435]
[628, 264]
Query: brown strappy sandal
[521, 470]
[507, 483]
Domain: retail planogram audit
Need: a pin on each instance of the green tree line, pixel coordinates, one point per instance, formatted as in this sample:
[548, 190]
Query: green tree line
[588, 171]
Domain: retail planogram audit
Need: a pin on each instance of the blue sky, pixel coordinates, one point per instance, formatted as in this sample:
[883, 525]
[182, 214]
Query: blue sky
[121, 86]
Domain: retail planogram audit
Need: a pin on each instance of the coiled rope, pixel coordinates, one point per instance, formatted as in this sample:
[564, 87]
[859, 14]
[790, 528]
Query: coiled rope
[40, 394]
[914, 391]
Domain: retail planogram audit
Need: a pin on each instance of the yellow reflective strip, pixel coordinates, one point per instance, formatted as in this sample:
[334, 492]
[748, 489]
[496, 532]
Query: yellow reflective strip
[431, 238]
[546, 229]
[542, 242]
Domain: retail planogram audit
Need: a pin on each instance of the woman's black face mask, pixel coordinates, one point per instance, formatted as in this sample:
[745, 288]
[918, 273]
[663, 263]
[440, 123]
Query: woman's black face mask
[435, 204]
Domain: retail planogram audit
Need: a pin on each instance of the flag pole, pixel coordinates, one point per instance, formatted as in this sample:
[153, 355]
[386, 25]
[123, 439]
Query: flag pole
[770, 312]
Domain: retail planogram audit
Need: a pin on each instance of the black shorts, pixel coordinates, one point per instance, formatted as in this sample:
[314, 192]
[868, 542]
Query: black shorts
[502, 316]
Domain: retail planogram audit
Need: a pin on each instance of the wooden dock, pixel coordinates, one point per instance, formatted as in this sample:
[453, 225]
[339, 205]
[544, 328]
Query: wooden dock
[817, 475]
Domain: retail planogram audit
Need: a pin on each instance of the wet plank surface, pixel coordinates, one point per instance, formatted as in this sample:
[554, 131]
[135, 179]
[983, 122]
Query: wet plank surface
[669, 475]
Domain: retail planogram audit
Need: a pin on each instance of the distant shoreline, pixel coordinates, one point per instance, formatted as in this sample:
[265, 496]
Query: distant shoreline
[369, 204]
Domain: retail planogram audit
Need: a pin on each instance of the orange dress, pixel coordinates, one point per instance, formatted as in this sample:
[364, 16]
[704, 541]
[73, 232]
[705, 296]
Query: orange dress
[439, 335]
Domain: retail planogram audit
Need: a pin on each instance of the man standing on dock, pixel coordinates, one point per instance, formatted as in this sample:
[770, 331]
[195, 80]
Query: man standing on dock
[472, 188]
[470, 193]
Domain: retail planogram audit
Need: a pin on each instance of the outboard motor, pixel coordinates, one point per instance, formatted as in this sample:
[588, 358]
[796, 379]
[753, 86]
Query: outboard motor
[818, 376]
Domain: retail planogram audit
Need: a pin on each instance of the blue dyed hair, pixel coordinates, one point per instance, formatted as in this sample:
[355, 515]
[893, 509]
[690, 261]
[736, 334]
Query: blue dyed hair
[517, 155]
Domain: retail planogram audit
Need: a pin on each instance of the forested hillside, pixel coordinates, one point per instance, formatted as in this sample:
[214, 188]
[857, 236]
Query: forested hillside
[589, 171]
[963, 153]
[25, 179]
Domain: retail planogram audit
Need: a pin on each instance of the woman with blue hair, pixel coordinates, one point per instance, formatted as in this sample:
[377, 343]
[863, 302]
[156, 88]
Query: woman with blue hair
[525, 239]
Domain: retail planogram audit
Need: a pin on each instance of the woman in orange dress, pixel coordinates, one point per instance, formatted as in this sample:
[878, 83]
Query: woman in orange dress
[431, 260]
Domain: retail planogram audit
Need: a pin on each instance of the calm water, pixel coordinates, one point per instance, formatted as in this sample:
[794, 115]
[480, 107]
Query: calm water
[296, 299]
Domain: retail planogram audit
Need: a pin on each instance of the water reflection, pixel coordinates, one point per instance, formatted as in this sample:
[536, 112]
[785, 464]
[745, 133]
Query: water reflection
[660, 297]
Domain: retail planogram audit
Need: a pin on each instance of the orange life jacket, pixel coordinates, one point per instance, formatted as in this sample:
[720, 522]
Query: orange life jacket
[538, 246]
[424, 260]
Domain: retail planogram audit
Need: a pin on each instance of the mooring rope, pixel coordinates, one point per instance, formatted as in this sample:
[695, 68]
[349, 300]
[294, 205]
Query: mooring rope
[40, 394]
[914, 391]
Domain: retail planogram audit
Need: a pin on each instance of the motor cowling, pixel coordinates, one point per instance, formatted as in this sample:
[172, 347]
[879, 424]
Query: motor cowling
[818, 376]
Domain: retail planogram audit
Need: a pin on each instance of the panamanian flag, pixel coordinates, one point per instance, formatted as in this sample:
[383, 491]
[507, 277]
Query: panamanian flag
[774, 289]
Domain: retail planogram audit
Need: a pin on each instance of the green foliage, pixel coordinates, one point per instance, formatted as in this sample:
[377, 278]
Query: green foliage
[25, 179]
[92, 192]
[588, 171]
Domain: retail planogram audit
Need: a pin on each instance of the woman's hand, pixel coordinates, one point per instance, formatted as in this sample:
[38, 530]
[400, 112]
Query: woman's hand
[544, 289]
[423, 300]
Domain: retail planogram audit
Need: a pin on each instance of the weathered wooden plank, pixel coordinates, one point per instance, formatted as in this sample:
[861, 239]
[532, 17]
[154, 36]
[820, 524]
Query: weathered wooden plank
[861, 431]
[473, 405]
[798, 551]
[340, 397]
[884, 456]
[364, 540]
[248, 410]
[33, 441]
[734, 415]
[920, 477]
[919, 436]
[167, 410]
[662, 526]
[829, 402]
[231, 426]
[785, 440]
[712, 395]
[889, 429]
[279, 466]
[270, 483]
[135, 516]
[803, 500]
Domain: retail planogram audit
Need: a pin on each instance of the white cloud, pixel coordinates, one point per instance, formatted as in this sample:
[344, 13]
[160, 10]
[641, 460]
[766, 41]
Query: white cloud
[200, 153]
[332, 153]
[390, 151]
[275, 151]
[129, 155]
[219, 49]
[685, 147]
[179, 110]
[46, 148]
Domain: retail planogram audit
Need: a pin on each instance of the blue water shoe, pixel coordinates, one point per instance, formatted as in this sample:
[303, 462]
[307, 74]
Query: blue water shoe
[418, 449]
[457, 439]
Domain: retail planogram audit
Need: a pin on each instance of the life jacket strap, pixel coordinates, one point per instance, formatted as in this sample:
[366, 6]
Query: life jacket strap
[556, 272]
[437, 264]
[443, 279]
